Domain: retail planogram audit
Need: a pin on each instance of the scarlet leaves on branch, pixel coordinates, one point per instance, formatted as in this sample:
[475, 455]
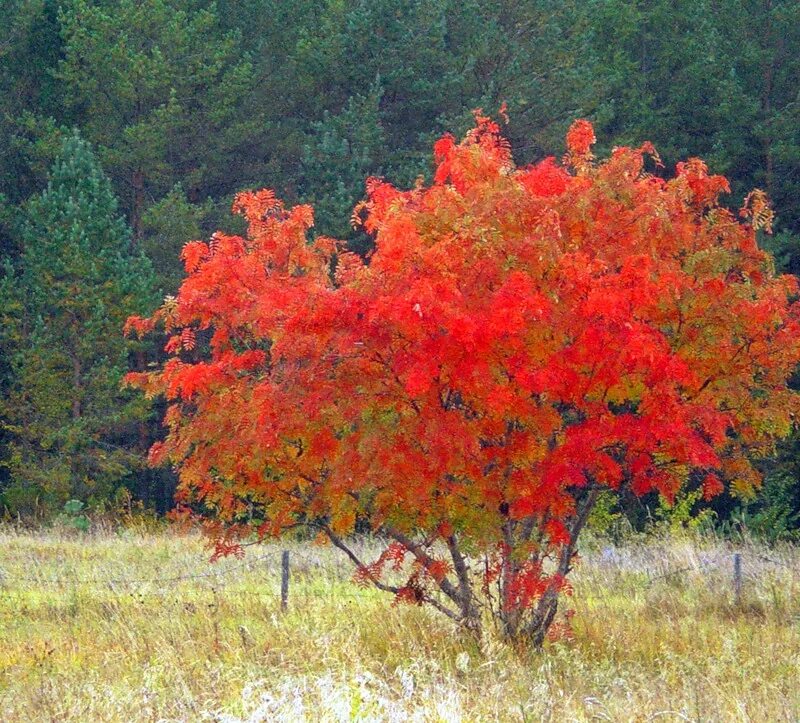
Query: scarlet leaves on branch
[519, 338]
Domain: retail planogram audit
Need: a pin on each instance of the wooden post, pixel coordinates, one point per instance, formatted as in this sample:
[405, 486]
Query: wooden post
[737, 578]
[284, 580]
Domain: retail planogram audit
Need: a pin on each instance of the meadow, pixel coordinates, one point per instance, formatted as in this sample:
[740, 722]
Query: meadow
[138, 626]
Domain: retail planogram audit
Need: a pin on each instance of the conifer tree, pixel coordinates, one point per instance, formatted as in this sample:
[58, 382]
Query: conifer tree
[343, 151]
[160, 87]
[63, 306]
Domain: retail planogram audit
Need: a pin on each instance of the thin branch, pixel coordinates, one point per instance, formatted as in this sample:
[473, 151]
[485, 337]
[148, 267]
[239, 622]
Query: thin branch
[452, 614]
[338, 542]
[426, 561]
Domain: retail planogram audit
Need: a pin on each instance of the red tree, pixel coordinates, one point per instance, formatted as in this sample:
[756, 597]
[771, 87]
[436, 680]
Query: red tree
[519, 340]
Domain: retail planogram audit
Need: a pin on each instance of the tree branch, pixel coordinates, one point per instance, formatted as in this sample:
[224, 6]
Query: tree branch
[426, 561]
[338, 542]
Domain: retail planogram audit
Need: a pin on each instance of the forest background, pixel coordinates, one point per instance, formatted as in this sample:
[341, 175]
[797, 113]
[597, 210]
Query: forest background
[126, 126]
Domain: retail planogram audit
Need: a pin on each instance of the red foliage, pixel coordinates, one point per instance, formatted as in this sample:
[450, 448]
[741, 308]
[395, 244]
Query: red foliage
[518, 339]
[580, 137]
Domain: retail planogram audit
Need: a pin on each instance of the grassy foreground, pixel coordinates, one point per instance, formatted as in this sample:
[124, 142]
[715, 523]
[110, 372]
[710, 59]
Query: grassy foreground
[79, 641]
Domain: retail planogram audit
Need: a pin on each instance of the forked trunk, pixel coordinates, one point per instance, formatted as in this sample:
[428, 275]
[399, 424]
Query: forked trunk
[529, 624]
[521, 621]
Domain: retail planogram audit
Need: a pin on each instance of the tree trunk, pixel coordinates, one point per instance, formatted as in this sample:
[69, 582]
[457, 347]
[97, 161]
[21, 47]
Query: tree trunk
[526, 625]
[544, 612]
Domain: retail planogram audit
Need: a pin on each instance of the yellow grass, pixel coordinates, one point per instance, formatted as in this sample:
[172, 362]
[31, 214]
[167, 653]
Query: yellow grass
[80, 643]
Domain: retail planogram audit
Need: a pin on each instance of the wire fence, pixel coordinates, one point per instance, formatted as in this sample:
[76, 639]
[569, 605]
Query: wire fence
[73, 580]
[739, 566]
[220, 578]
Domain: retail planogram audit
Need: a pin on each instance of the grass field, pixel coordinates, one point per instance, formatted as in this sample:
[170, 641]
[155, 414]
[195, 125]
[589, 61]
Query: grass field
[86, 635]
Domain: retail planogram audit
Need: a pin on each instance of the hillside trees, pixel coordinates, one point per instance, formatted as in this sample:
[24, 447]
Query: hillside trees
[521, 339]
[715, 79]
[30, 47]
[159, 87]
[762, 41]
[76, 280]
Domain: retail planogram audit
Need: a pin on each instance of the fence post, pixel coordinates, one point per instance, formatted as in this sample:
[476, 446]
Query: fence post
[737, 578]
[284, 580]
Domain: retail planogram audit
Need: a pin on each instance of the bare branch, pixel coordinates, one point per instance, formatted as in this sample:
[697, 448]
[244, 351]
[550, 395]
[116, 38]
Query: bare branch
[338, 542]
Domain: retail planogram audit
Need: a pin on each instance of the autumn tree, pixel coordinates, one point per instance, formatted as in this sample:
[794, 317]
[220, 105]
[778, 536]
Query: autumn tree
[521, 339]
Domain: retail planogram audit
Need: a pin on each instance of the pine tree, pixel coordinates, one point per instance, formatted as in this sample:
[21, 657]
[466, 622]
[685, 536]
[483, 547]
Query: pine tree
[63, 308]
[342, 152]
[160, 88]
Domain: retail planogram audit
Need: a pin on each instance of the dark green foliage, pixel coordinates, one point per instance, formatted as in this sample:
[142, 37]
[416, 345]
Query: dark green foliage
[345, 149]
[714, 79]
[775, 513]
[157, 84]
[30, 50]
[418, 69]
[166, 225]
[76, 281]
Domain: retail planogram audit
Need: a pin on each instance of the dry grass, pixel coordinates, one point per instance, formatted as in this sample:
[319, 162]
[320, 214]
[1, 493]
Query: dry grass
[218, 649]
